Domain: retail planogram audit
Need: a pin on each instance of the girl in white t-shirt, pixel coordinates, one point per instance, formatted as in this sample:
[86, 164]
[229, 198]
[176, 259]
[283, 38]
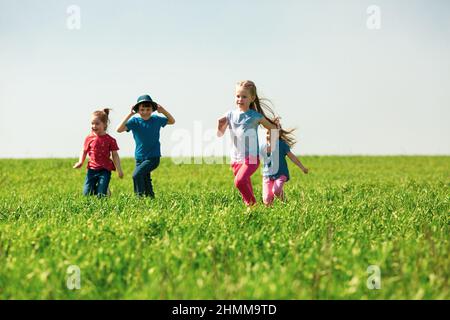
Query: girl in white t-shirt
[243, 122]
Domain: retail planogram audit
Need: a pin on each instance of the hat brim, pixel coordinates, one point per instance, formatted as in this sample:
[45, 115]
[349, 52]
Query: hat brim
[153, 103]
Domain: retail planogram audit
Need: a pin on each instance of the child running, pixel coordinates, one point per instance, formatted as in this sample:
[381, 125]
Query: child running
[99, 146]
[275, 170]
[146, 132]
[243, 122]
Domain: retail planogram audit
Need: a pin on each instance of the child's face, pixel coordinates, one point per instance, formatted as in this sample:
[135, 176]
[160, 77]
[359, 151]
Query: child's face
[243, 97]
[97, 126]
[145, 111]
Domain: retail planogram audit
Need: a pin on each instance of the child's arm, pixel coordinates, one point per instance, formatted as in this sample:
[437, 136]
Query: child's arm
[81, 159]
[170, 119]
[222, 125]
[123, 125]
[267, 124]
[116, 161]
[297, 162]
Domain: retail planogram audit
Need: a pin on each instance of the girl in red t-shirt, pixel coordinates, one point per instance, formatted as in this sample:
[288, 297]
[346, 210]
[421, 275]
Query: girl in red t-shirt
[99, 146]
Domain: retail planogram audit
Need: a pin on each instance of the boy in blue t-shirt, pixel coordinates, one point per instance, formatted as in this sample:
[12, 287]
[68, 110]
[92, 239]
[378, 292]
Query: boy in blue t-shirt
[275, 169]
[146, 132]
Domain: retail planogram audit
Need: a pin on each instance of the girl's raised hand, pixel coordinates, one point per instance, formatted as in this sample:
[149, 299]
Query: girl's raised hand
[222, 124]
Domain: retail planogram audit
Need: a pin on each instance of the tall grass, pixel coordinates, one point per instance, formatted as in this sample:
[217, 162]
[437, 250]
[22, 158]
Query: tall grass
[197, 241]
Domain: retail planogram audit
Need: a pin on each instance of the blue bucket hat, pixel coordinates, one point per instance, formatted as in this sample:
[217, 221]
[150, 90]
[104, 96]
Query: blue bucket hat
[145, 98]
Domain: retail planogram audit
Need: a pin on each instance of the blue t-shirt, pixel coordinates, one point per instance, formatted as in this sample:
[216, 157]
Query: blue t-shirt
[146, 136]
[244, 133]
[274, 163]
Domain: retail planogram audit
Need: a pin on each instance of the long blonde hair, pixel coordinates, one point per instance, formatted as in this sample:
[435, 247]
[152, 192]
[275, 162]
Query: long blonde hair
[262, 106]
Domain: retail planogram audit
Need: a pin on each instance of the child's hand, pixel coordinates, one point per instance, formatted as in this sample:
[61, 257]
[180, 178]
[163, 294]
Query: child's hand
[305, 170]
[78, 165]
[160, 108]
[132, 110]
[221, 126]
[277, 122]
[120, 173]
[222, 122]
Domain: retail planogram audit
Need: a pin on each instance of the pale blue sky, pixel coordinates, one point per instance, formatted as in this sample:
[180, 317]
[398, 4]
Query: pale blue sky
[348, 89]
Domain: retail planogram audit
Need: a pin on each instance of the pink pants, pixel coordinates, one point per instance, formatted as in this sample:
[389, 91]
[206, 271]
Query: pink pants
[272, 188]
[242, 179]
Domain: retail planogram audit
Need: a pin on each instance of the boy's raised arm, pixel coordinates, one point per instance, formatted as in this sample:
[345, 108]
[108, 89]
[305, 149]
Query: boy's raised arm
[123, 125]
[170, 118]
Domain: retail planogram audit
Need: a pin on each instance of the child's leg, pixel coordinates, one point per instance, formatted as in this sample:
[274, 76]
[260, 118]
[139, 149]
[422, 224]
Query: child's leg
[278, 187]
[148, 188]
[242, 180]
[267, 191]
[141, 176]
[154, 163]
[90, 182]
[235, 167]
[104, 176]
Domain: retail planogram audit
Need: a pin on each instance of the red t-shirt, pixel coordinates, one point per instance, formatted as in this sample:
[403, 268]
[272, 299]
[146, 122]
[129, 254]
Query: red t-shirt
[99, 150]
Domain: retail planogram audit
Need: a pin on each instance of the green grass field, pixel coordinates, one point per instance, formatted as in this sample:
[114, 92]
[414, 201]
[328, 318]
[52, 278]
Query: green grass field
[197, 241]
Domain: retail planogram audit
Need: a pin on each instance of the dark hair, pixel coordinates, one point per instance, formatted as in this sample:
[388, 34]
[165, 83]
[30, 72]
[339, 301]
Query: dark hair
[146, 104]
[103, 115]
[262, 107]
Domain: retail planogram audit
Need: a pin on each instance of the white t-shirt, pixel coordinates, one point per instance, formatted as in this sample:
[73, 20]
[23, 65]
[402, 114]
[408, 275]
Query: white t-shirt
[244, 134]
